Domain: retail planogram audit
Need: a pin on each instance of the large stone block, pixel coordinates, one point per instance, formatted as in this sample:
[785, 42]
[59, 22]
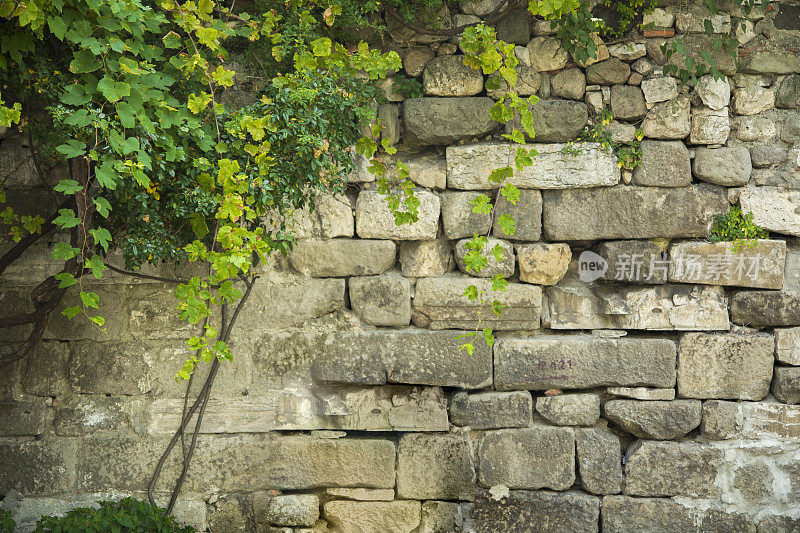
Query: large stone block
[627, 103]
[570, 409]
[22, 418]
[773, 208]
[709, 126]
[107, 368]
[449, 76]
[631, 212]
[771, 56]
[543, 263]
[664, 164]
[715, 94]
[546, 54]
[408, 356]
[760, 266]
[633, 262]
[381, 300]
[293, 300]
[38, 466]
[469, 167]
[331, 217]
[427, 169]
[766, 308]
[536, 512]
[527, 215]
[532, 458]
[83, 414]
[787, 345]
[556, 121]
[435, 466]
[668, 120]
[442, 301]
[373, 517]
[609, 72]
[660, 89]
[440, 516]
[569, 83]
[19, 169]
[694, 44]
[582, 362]
[786, 385]
[492, 410]
[655, 420]
[672, 469]
[504, 267]
[374, 220]
[599, 460]
[725, 366]
[422, 259]
[622, 514]
[342, 257]
[447, 120]
[286, 509]
[458, 217]
[719, 420]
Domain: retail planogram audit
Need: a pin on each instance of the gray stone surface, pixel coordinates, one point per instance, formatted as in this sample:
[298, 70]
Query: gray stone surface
[752, 99]
[638, 261]
[547, 54]
[642, 393]
[787, 345]
[539, 511]
[438, 516]
[639, 212]
[396, 516]
[760, 266]
[361, 494]
[543, 263]
[514, 28]
[786, 384]
[22, 418]
[627, 51]
[773, 208]
[622, 514]
[491, 410]
[426, 169]
[767, 155]
[458, 218]
[719, 420]
[666, 468]
[549, 458]
[342, 257]
[419, 259]
[663, 164]
[504, 267]
[771, 56]
[627, 103]
[765, 308]
[570, 409]
[789, 92]
[381, 300]
[569, 83]
[449, 76]
[20, 171]
[37, 466]
[659, 89]
[374, 220]
[715, 94]
[729, 166]
[332, 217]
[725, 366]
[433, 466]
[415, 60]
[709, 126]
[581, 362]
[599, 460]
[287, 509]
[527, 216]
[609, 72]
[446, 120]
[557, 121]
[654, 420]
[668, 120]
[107, 368]
[528, 83]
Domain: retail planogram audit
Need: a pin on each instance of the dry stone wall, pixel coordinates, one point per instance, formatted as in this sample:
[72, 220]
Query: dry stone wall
[643, 378]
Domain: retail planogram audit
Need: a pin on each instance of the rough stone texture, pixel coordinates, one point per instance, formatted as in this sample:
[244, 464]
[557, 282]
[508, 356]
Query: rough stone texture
[639, 212]
[419, 259]
[548, 452]
[446, 120]
[582, 362]
[672, 469]
[786, 385]
[373, 517]
[654, 420]
[504, 267]
[458, 217]
[627, 102]
[427, 169]
[492, 410]
[374, 220]
[21, 419]
[543, 263]
[389, 115]
[787, 345]
[726, 366]
[85, 414]
[609, 72]
[642, 393]
[469, 166]
[443, 516]
[531, 512]
[558, 121]
[381, 300]
[415, 60]
[668, 120]
[765, 308]
[569, 83]
[719, 420]
[773, 208]
[663, 164]
[39, 466]
[514, 28]
[570, 409]
[767, 155]
[442, 301]
[107, 369]
[709, 126]
[409, 356]
[599, 460]
[771, 56]
[528, 82]
[433, 467]
[527, 216]
[633, 262]
[627, 51]
[789, 92]
[760, 266]
[752, 99]
[288, 509]
[622, 514]
[342, 257]
[659, 89]
[547, 54]
[449, 76]
[715, 94]
[332, 217]
[361, 494]
[729, 166]
[20, 170]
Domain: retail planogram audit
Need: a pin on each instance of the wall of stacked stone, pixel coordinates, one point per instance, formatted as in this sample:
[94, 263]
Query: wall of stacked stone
[666, 401]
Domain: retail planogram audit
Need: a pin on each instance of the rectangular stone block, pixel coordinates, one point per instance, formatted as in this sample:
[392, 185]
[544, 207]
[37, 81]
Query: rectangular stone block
[622, 514]
[535, 512]
[435, 466]
[107, 368]
[760, 266]
[443, 303]
[765, 308]
[342, 257]
[599, 460]
[38, 466]
[773, 208]
[396, 515]
[469, 166]
[83, 414]
[583, 362]
[640, 262]
[768, 419]
[441, 121]
[374, 220]
[527, 216]
[492, 410]
[655, 468]
[626, 212]
[409, 356]
[787, 345]
[18, 419]
[458, 217]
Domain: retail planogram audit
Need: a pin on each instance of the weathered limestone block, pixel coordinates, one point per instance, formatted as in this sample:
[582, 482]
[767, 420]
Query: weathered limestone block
[427, 169]
[569, 409]
[664, 164]
[107, 368]
[609, 72]
[342, 257]
[458, 217]
[442, 300]
[773, 208]
[576, 305]
[715, 94]
[543, 263]
[361, 494]
[659, 18]
[599, 460]
[687, 468]
[287, 509]
[446, 120]
[766, 155]
[631, 212]
[627, 102]
[22, 418]
[84, 414]
[530, 512]
[761, 266]
[557, 121]
[786, 385]
[492, 410]
[787, 345]
[569, 83]
[729, 166]
[627, 51]
[582, 362]
[435, 466]
[332, 217]
[633, 262]
[758, 420]
[654, 420]
[668, 120]
[752, 99]
[791, 274]
[409, 356]
[790, 130]
[449, 76]
[292, 300]
[373, 517]
[622, 132]
[527, 216]
[478, 7]
[374, 220]
[37, 466]
[504, 267]
[771, 56]
[789, 93]
[389, 115]
[765, 308]
[719, 420]
[440, 516]
[709, 126]
[547, 54]
[659, 89]
[528, 83]
[381, 300]
[726, 366]
[778, 523]
[549, 454]
[622, 514]
[420, 259]
[19, 168]
[642, 393]
[469, 166]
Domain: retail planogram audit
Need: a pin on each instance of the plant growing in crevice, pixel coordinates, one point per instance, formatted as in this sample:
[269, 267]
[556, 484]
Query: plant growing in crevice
[737, 228]
[629, 155]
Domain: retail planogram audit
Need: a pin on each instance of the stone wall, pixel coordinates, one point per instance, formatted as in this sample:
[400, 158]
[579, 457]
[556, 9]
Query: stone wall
[658, 397]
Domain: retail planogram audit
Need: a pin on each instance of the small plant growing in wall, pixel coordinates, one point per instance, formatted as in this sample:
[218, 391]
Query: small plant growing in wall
[629, 155]
[126, 515]
[737, 228]
[7, 523]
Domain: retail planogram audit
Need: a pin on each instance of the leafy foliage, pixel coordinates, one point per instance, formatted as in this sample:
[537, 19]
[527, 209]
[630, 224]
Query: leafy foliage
[125, 516]
[7, 523]
[629, 155]
[738, 228]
